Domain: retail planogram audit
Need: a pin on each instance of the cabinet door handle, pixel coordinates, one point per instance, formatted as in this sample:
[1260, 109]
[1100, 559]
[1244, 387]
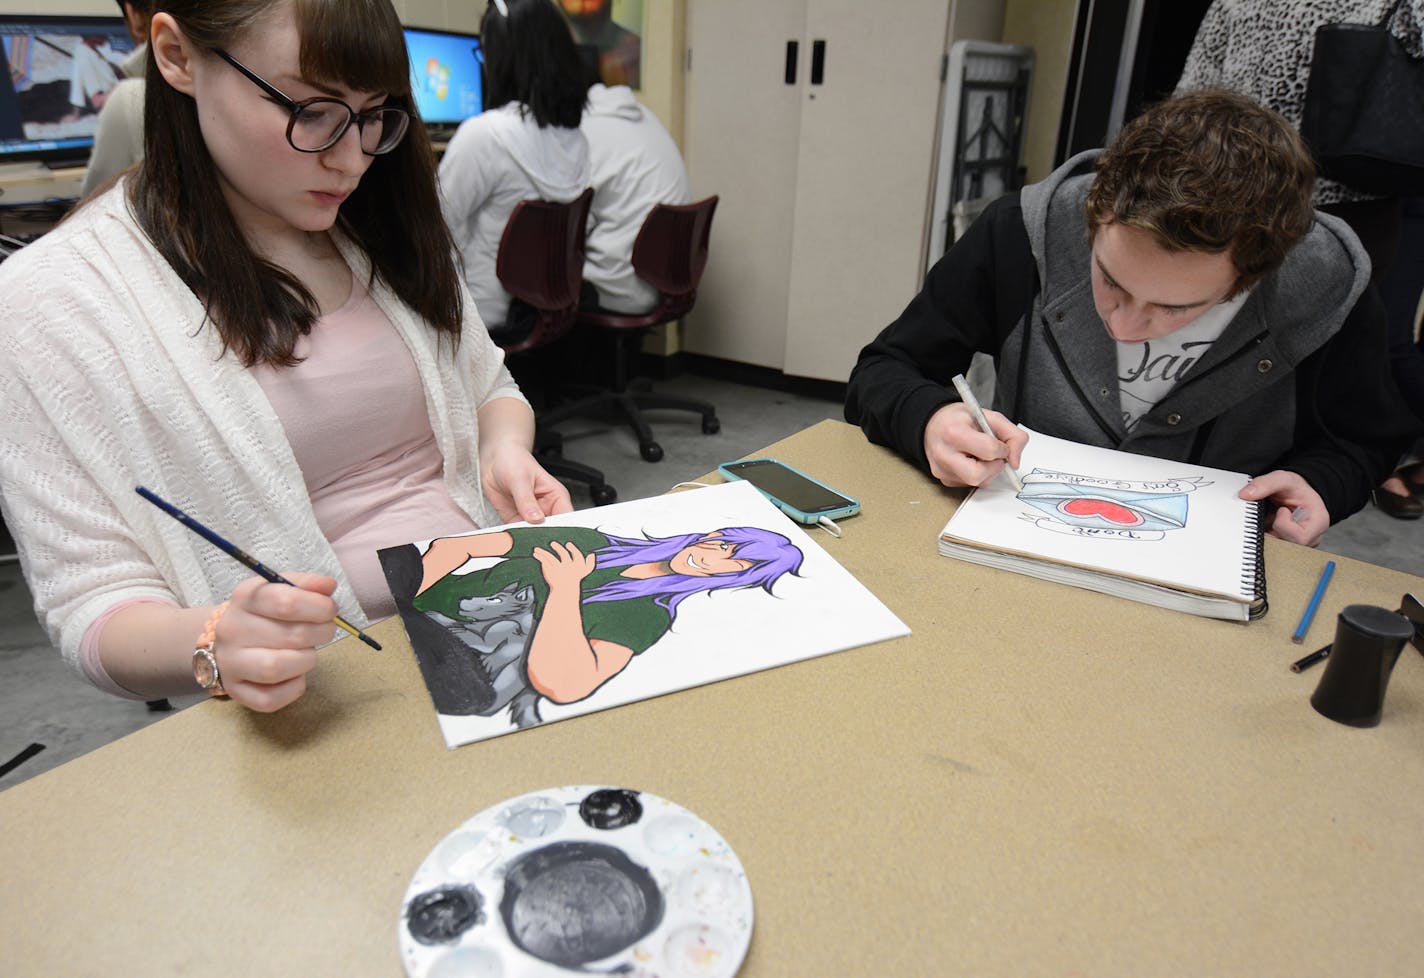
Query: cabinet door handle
[792, 49]
[818, 62]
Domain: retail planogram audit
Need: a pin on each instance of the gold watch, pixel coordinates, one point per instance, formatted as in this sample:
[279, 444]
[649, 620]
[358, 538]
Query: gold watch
[205, 670]
[205, 663]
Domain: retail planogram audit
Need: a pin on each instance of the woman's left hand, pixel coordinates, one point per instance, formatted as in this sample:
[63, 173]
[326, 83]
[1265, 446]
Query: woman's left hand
[520, 488]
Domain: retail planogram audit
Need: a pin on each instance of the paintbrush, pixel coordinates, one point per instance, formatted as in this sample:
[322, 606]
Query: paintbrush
[241, 556]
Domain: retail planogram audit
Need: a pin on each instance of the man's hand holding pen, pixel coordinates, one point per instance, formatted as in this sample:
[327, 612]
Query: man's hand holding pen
[961, 454]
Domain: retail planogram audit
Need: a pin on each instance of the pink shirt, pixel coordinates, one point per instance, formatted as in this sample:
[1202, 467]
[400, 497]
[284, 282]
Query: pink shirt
[355, 416]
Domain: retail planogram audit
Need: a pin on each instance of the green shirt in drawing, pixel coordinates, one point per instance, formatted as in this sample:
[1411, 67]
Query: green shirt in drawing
[633, 622]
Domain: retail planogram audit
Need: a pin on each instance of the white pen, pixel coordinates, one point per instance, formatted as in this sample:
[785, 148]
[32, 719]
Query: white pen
[967, 396]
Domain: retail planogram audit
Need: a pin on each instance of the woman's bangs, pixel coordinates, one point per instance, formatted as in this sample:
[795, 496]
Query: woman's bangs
[356, 43]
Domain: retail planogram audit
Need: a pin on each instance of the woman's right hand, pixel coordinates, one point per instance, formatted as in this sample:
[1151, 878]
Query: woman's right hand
[266, 640]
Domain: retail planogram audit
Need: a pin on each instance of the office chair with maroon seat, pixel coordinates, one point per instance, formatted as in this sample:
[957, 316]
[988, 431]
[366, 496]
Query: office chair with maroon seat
[669, 254]
[540, 263]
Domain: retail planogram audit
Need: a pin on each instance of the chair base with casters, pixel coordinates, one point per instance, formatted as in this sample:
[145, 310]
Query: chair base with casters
[669, 254]
[548, 443]
[549, 450]
[627, 401]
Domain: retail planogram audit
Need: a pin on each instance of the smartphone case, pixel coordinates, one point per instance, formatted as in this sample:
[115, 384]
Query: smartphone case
[796, 513]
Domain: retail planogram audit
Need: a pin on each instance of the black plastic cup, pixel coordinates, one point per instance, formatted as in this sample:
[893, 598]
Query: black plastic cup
[1368, 641]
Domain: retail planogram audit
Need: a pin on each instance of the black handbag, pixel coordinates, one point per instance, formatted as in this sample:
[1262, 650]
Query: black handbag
[1364, 109]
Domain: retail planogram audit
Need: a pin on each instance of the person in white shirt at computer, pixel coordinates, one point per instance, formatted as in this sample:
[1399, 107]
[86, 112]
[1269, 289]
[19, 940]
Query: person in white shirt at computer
[118, 140]
[525, 145]
[635, 165]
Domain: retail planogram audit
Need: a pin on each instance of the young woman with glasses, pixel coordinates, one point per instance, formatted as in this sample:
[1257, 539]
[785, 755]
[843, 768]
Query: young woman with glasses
[264, 324]
[526, 144]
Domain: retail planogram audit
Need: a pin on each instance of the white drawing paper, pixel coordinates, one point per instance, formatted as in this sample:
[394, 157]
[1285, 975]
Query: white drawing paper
[757, 592]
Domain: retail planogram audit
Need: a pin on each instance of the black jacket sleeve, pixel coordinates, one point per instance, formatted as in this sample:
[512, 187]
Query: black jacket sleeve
[1352, 425]
[971, 300]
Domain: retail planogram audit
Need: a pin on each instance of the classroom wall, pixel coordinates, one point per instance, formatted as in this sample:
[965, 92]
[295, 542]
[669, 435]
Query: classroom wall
[1044, 25]
[1047, 27]
[664, 39]
[976, 20]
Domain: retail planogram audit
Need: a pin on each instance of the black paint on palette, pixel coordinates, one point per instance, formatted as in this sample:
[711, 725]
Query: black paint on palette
[573, 903]
[610, 808]
[440, 915]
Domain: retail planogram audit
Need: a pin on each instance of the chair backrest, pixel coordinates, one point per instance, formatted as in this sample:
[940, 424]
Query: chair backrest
[670, 252]
[540, 262]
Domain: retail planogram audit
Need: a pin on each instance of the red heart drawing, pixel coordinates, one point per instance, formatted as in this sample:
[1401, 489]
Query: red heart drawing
[1105, 508]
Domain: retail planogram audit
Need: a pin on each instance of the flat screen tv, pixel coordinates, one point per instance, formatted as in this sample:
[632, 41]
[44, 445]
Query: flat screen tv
[58, 71]
[446, 77]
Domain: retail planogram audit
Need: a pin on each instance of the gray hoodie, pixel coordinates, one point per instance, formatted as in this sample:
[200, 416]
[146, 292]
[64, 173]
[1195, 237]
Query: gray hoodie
[1243, 382]
[1299, 380]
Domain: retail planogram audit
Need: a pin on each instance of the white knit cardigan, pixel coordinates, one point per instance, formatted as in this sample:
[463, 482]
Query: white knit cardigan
[110, 379]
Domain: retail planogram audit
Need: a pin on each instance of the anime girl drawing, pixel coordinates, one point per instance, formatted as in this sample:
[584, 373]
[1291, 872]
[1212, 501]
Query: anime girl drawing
[562, 610]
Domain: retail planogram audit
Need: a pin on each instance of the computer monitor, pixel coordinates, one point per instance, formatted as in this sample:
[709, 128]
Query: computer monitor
[446, 77]
[58, 71]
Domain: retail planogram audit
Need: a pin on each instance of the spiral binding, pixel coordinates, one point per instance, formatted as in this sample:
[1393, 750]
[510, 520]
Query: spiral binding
[1253, 566]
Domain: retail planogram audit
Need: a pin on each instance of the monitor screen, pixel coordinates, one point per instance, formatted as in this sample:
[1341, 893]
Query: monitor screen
[445, 75]
[58, 72]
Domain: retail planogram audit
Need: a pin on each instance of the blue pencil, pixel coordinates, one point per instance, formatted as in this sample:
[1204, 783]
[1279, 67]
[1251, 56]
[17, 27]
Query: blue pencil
[1314, 604]
[241, 556]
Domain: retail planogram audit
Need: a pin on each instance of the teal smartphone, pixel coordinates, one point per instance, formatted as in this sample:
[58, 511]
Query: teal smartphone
[804, 499]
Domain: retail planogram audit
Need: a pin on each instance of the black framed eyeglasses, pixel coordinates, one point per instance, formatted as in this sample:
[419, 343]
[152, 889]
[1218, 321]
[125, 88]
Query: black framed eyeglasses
[317, 124]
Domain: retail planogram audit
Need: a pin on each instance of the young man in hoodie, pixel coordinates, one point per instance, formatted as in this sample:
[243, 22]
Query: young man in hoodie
[1174, 295]
[525, 145]
[634, 165]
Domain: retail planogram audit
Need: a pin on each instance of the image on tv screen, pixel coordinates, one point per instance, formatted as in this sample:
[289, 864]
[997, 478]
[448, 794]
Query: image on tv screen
[58, 77]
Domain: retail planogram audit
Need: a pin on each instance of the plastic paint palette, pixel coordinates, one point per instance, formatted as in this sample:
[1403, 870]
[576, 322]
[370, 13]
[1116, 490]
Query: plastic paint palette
[579, 879]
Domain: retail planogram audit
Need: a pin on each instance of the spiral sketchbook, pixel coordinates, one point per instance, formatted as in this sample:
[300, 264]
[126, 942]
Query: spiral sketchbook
[1165, 533]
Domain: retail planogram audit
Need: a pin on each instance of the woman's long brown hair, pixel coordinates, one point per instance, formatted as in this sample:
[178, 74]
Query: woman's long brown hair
[394, 215]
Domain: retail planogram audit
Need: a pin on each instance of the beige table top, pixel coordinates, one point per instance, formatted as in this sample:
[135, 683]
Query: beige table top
[1038, 781]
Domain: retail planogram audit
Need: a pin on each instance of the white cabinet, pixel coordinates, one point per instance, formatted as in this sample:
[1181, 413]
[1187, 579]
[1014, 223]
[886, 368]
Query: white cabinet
[824, 180]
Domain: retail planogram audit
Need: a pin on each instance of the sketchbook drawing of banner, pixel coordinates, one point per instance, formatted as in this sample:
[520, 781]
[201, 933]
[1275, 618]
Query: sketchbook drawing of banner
[1088, 506]
[521, 625]
[1173, 523]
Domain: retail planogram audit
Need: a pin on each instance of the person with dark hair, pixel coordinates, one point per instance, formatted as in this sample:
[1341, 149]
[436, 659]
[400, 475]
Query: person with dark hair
[118, 138]
[525, 145]
[1174, 295]
[264, 324]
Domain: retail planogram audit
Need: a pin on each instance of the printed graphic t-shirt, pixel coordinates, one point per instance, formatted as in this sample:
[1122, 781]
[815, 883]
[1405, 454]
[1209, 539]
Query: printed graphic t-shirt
[1146, 371]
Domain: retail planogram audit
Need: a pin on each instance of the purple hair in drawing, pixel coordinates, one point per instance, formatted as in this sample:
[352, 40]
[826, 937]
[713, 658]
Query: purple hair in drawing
[772, 555]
